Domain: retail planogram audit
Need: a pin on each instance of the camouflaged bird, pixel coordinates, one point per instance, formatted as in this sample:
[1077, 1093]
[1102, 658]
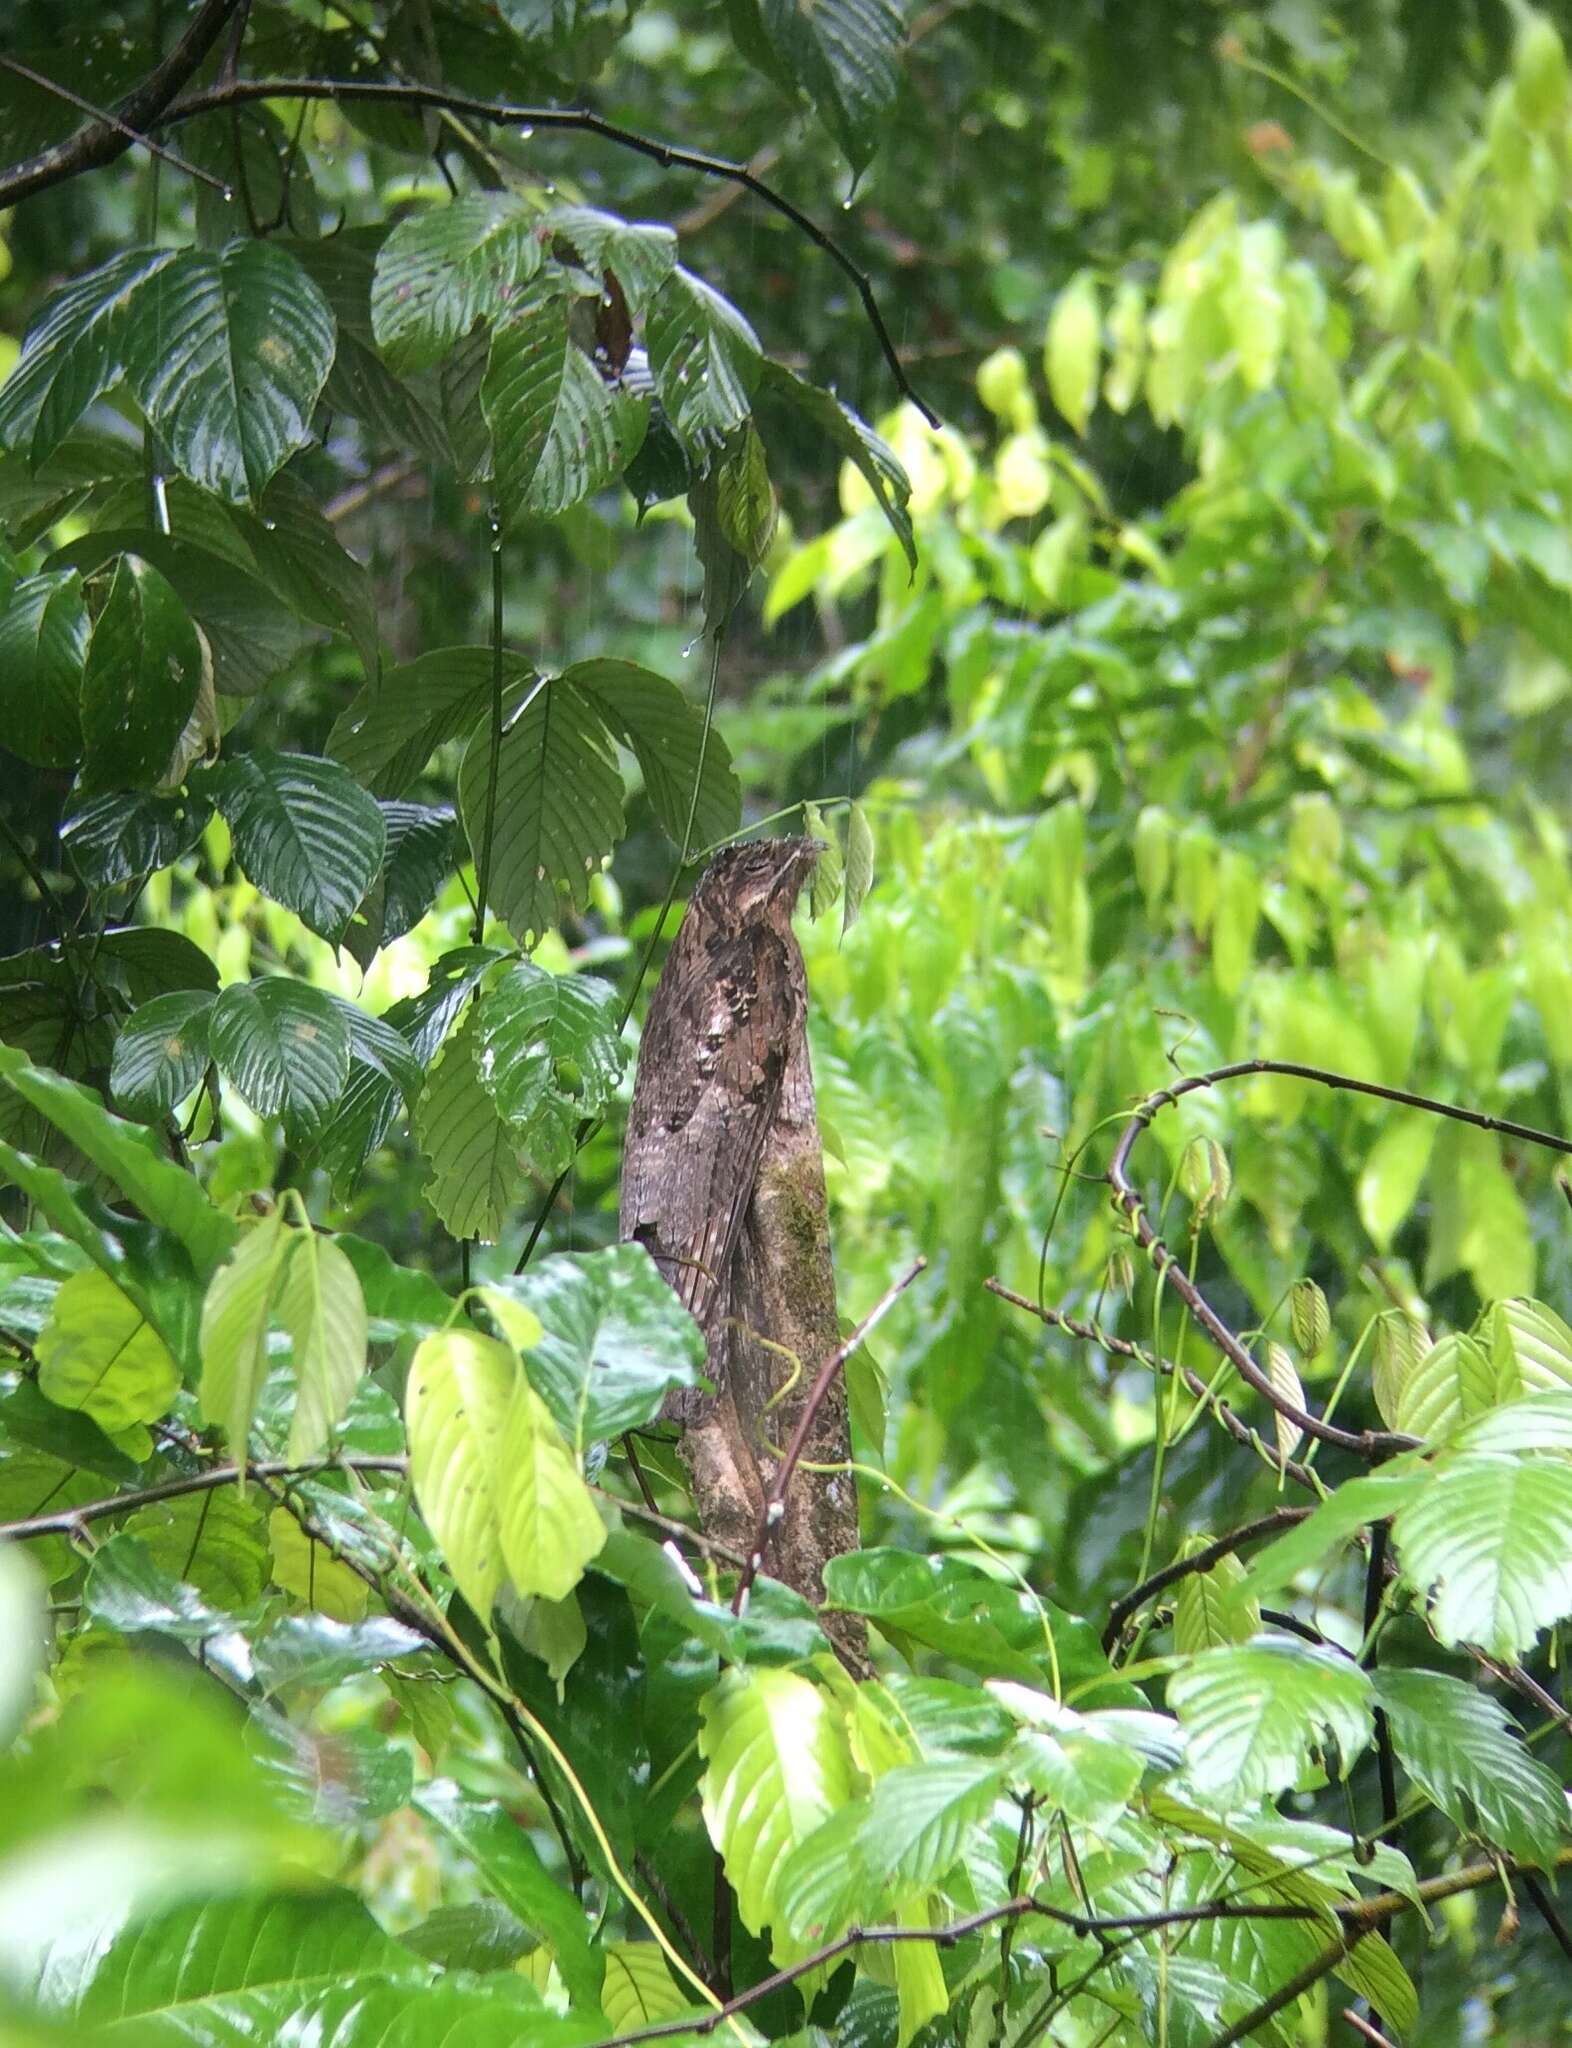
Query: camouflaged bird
[723, 1183]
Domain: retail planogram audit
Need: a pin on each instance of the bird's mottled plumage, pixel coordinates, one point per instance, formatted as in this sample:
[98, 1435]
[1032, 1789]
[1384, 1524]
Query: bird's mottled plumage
[728, 1006]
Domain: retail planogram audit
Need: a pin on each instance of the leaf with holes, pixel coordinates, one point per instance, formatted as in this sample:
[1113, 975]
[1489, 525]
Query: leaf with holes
[226, 352]
[616, 1339]
[476, 1179]
[651, 717]
[389, 733]
[845, 55]
[1463, 1752]
[161, 1053]
[705, 358]
[304, 830]
[559, 431]
[456, 1406]
[546, 1515]
[776, 1767]
[558, 804]
[1253, 1712]
[139, 680]
[72, 352]
[285, 1046]
[235, 1319]
[549, 1052]
[43, 643]
[1489, 1542]
[440, 271]
[322, 1307]
[98, 1353]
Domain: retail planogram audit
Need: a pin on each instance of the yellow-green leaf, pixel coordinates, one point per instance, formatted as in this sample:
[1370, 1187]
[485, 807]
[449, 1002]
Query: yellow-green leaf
[311, 1572]
[99, 1353]
[234, 1331]
[548, 1524]
[1072, 354]
[322, 1307]
[638, 1989]
[455, 1408]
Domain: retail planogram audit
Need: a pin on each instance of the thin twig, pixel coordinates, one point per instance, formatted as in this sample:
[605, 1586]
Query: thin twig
[75, 99]
[101, 141]
[824, 1379]
[69, 1520]
[1202, 1561]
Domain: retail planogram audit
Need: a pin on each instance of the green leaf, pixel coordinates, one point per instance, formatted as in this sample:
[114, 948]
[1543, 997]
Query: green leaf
[139, 681]
[227, 354]
[1077, 1762]
[616, 1339]
[510, 1867]
[651, 717]
[23, 1621]
[1205, 1614]
[1390, 1181]
[128, 1156]
[476, 1179]
[235, 1319]
[639, 254]
[122, 838]
[321, 1306]
[43, 642]
[1453, 1382]
[285, 1046]
[456, 1406]
[1541, 1423]
[216, 1541]
[547, 1519]
[558, 809]
[855, 440]
[639, 1989]
[558, 429]
[776, 1767]
[1354, 1504]
[99, 1353]
[297, 554]
[859, 866]
[549, 1052]
[705, 358]
[304, 832]
[312, 1649]
[1530, 1348]
[922, 1815]
[132, 1594]
[161, 1053]
[391, 730]
[1072, 354]
[1462, 1750]
[309, 1570]
[1372, 1968]
[418, 861]
[1489, 1541]
[1253, 1712]
[72, 353]
[440, 271]
[845, 54]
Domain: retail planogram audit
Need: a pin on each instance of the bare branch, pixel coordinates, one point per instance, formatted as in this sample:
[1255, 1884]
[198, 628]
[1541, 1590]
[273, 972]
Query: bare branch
[1202, 1561]
[102, 115]
[101, 141]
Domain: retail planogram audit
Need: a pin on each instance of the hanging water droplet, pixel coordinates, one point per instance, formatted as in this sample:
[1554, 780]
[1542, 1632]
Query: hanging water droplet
[228, 192]
[526, 134]
[687, 651]
[160, 503]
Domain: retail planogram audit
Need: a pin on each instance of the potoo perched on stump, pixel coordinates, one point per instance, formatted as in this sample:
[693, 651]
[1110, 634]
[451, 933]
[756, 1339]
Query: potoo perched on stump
[723, 1182]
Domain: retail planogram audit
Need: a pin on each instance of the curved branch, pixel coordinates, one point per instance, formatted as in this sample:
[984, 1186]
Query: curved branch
[578, 120]
[101, 141]
[1202, 1561]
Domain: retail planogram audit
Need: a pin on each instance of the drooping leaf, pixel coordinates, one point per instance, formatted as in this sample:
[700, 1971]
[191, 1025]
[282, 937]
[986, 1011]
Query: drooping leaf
[139, 681]
[304, 832]
[1459, 1747]
[776, 1768]
[43, 642]
[476, 1179]
[1253, 1712]
[557, 811]
[321, 1306]
[705, 358]
[549, 1052]
[859, 866]
[456, 1407]
[72, 352]
[235, 1319]
[285, 1046]
[442, 270]
[854, 439]
[559, 431]
[650, 716]
[639, 254]
[845, 55]
[392, 729]
[99, 1353]
[226, 352]
[614, 1339]
[161, 1053]
[547, 1521]
[121, 838]
[419, 859]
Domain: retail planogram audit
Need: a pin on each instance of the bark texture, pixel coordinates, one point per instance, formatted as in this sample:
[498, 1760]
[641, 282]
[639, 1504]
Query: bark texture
[723, 1181]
